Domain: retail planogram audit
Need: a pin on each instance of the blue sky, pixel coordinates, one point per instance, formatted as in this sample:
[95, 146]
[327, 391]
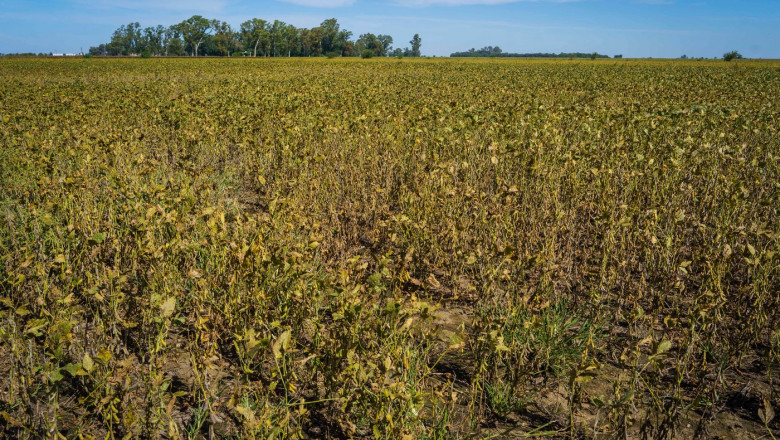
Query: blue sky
[634, 28]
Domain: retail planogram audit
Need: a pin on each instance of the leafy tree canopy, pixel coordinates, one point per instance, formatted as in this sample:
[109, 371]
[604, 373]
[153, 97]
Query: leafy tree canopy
[200, 36]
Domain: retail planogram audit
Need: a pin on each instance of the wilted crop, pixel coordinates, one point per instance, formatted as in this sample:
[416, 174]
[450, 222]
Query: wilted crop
[336, 248]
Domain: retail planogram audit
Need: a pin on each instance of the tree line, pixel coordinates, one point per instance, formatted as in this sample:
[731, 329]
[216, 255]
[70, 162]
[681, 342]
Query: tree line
[200, 36]
[495, 51]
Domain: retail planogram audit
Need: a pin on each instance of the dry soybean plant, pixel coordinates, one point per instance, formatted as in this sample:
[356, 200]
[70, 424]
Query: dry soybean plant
[400, 249]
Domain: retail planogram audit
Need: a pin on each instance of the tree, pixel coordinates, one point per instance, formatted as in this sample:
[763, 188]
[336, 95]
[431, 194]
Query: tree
[252, 33]
[386, 42]
[306, 41]
[370, 42]
[312, 41]
[334, 39]
[330, 35]
[194, 30]
[172, 42]
[98, 50]
[343, 38]
[125, 40]
[224, 41]
[152, 39]
[291, 39]
[276, 32]
[733, 55]
[380, 44]
[415, 42]
[350, 50]
[201, 36]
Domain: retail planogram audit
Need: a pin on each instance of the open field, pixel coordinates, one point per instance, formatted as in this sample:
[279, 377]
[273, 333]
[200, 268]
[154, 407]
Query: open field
[389, 248]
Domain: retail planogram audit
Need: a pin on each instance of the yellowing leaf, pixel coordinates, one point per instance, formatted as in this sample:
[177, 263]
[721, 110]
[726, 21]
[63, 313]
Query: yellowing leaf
[87, 363]
[433, 283]
[282, 344]
[767, 413]
[55, 376]
[168, 307]
[663, 346]
[72, 368]
[248, 414]
[98, 238]
[456, 341]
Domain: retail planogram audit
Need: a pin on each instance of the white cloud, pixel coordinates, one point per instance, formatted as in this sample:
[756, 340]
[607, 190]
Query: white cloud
[197, 6]
[451, 23]
[322, 3]
[424, 3]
